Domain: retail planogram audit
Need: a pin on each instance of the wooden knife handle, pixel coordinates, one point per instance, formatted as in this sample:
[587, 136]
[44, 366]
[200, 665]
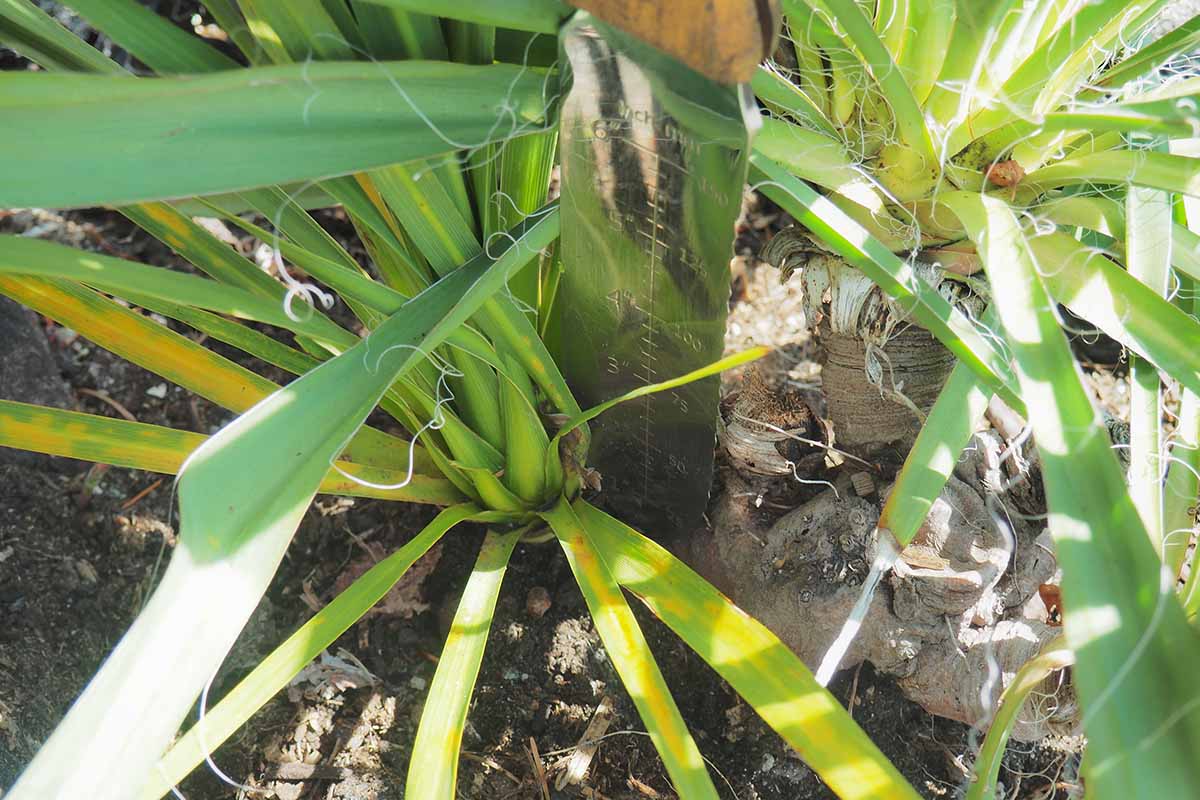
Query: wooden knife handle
[722, 39]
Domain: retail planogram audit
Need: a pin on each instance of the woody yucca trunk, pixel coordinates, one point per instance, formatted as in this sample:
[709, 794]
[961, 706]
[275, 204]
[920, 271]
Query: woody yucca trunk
[957, 171]
[880, 370]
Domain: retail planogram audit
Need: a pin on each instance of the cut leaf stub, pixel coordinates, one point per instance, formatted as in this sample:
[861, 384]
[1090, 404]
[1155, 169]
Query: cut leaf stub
[770, 431]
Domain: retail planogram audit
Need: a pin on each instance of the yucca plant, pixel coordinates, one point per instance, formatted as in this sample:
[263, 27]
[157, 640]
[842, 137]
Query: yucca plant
[416, 126]
[440, 137]
[1025, 153]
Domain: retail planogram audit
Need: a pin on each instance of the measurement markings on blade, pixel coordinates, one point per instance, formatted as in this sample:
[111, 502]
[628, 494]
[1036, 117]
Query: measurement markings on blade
[648, 354]
[649, 198]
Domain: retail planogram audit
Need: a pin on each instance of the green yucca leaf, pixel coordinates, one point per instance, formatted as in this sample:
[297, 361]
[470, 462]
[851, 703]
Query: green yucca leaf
[1099, 291]
[1148, 260]
[1132, 645]
[932, 24]
[1055, 70]
[433, 768]
[541, 16]
[1189, 596]
[810, 155]
[351, 284]
[782, 96]
[265, 466]
[1182, 491]
[434, 220]
[894, 276]
[305, 194]
[392, 33]
[1164, 171]
[811, 39]
[358, 196]
[151, 38]
[1060, 67]
[1054, 657]
[1106, 216]
[333, 264]
[1185, 251]
[24, 256]
[1099, 214]
[28, 30]
[966, 62]
[475, 393]
[508, 325]
[1184, 38]
[626, 647]
[492, 491]
[523, 178]
[469, 449]
[298, 30]
[441, 229]
[275, 671]
[814, 157]
[1168, 117]
[394, 265]
[946, 431]
[754, 662]
[444, 233]
[254, 126]
[137, 445]
[1016, 34]
[479, 383]
[229, 18]
[891, 22]
[292, 222]
[910, 121]
[208, 253]
[483, 170]
[525, 437]
[200, 248]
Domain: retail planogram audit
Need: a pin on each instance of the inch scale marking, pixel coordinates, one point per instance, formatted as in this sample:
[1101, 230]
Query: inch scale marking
[655, 263]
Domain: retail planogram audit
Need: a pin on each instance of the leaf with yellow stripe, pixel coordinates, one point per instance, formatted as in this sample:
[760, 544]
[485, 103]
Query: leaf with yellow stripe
[21, 255]
[241, 496]
[177, 358]
[756, 664]
[630, 654]
[137, 445]
[433, 769]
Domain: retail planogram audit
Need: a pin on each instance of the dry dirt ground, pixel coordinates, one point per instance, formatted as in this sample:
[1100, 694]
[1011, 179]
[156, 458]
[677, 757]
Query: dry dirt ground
[80, 548]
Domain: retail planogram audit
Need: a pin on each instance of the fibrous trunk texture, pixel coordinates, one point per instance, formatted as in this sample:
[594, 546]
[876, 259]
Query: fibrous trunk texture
[962, 610]
[878, 394]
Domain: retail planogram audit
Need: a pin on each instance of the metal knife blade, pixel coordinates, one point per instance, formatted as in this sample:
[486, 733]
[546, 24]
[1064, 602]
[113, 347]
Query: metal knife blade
[653, 163]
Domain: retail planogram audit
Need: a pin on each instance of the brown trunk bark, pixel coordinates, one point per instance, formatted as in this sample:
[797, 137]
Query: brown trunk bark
[878, 396]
